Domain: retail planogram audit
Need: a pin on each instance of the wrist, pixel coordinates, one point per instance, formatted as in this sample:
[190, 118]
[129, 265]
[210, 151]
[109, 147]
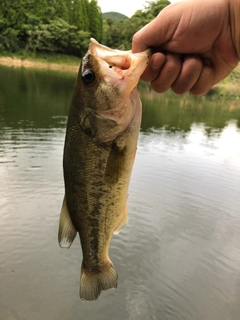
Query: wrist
[234, 15]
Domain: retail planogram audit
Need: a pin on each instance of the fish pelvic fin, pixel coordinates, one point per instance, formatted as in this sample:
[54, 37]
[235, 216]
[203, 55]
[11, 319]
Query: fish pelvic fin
[92, 283]
[66, 232]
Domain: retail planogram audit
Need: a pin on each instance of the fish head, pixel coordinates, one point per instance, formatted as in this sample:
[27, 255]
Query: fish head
[107, 77]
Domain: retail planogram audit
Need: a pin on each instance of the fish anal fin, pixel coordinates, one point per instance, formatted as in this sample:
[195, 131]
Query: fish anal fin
[92, 283]
[66, 232]
[123, 222]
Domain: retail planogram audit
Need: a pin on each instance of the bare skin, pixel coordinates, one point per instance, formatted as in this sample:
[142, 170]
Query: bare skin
[196, 44]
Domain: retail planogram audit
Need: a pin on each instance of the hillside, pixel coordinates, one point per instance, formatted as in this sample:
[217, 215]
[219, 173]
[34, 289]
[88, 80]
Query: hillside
[114, 16]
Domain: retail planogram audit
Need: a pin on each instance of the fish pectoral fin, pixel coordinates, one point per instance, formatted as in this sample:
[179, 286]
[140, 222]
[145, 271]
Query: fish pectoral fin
[123, 222]
[116, 164]
[92, 283]
[66, 232]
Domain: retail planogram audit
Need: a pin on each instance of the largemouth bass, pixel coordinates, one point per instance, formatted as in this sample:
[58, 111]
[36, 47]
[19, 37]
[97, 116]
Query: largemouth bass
[100, 146]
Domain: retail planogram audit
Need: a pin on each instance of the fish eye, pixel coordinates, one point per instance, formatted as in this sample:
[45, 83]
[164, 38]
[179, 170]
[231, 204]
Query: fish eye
[88, 77]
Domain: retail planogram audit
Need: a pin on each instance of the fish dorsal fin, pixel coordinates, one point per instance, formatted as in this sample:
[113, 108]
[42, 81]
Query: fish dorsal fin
[66, 232]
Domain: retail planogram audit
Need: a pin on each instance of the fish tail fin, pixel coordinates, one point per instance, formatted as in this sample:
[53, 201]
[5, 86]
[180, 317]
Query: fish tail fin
[92, 283]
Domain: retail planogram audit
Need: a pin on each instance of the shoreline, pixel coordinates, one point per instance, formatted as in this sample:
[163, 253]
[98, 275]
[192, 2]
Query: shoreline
[26, 63]
[227, 87]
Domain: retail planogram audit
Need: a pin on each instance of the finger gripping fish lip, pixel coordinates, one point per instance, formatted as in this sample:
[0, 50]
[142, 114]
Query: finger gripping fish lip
[117, 66]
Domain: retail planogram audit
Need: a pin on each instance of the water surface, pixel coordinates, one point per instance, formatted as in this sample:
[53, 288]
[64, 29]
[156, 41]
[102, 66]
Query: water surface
[179, 257]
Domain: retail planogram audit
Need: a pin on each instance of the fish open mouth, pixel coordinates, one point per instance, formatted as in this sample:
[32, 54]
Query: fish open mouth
[119, 68]
[114, 58]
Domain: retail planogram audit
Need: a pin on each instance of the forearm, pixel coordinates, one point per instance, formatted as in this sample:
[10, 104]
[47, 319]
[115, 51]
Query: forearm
[234, 6]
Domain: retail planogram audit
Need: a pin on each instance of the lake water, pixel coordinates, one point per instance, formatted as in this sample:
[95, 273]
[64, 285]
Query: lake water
[178, 258]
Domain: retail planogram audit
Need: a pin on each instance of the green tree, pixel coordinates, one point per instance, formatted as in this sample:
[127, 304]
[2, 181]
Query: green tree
[62, 10]
[154, 7]
[95, 19]
[106, 31]
[58, 36]
[80, 14]
[120, 33]
[66, 25]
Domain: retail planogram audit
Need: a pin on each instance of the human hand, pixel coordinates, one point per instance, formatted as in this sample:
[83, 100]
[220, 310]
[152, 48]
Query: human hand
[193, 43]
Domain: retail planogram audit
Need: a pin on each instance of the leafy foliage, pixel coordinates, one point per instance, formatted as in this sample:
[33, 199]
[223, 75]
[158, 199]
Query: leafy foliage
[49, 25]
[58, 36]
[65, 26]
[119, 34]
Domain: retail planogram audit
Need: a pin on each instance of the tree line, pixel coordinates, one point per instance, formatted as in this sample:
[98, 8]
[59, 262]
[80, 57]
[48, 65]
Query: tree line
[65, 26]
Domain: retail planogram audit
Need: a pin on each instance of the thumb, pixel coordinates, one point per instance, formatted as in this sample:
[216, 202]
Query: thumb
[158, 31]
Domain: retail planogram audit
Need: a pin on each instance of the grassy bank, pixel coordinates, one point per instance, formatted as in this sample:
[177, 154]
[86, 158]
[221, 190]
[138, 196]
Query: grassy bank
[230, 86]
[54, 61]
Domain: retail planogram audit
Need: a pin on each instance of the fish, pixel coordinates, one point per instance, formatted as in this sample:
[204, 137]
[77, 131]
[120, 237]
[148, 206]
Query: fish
[100, 146]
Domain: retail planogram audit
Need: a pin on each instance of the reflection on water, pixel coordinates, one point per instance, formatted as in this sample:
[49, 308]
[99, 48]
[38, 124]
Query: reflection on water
[178, 113]
[179, 257]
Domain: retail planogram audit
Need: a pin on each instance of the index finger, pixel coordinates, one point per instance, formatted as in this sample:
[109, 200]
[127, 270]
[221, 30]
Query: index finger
[156, 32]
